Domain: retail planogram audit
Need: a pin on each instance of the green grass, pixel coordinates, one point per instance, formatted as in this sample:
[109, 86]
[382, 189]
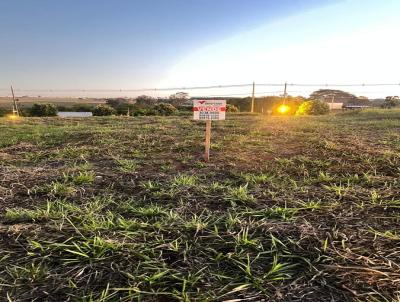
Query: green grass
[81, 178]
[15, 215]
[126, 165]
[240, 195]
[183, 180]
[125, 209]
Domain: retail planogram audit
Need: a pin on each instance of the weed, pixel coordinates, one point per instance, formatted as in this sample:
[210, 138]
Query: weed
[31, 273]
[127, 165]
[244, 239]
[257, 178]
[16, 215]
[340, 190]
[392, 235]
[197, 223]
[279, 271]
[184, 180]
[150, 185]
[81, 178]
[239, 195]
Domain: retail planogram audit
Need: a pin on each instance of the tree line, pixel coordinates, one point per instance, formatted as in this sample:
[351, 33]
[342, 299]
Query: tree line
[180, 102]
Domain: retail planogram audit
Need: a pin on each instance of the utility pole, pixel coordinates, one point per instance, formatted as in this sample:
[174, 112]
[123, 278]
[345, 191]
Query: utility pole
[285, 93]
[252, 98]
[15, 105]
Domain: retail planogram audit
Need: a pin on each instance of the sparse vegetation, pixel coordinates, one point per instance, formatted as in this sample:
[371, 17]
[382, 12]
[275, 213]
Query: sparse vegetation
[164, 109]
[390, 102]
[4, 112]
[104, 110]
[231, 108]
[43, 110]
[313, 107]
[124, 209]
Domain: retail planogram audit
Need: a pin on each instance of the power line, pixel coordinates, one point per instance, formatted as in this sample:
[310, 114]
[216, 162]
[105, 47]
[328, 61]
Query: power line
[239, 94]
[135, 90]
[203, 87]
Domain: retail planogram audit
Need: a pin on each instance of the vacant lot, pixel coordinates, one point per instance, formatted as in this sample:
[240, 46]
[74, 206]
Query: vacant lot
[124, 209]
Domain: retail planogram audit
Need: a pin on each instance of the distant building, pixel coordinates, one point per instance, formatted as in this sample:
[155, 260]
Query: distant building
[74, 114]
[335, 106]
[355, 106]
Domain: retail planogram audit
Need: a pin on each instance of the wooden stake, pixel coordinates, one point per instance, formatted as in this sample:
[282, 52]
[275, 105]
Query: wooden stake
[208, 141]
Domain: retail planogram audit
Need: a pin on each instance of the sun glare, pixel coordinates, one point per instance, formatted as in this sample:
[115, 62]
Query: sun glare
[12, 116]
[283, 109]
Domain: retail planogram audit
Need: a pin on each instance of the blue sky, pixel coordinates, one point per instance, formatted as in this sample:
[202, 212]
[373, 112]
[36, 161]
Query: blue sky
[133, 44]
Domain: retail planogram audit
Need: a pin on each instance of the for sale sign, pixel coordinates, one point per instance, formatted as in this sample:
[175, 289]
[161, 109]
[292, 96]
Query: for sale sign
[209, 109]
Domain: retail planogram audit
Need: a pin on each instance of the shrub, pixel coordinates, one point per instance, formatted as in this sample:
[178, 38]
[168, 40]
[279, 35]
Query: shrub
[185, 108]
[313, 107]
[143, 112]
[43, 110]
[103, 110]
[4, 112]
[24, 111]
[164, 109]
[121, 105]
[231, 108]
[391, 101]
[116, 102]
[76, 108]
[159, 109]
[124, 109]
[63, 108]
[82, 107]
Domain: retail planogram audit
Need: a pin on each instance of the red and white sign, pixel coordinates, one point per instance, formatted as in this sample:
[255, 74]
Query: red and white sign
[209, 109]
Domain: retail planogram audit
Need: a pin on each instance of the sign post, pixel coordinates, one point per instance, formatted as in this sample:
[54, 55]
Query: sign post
[208, 110]
[208, 140]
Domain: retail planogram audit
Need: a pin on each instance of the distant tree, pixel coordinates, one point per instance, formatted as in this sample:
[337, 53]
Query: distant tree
[179, 95]
[313, 107]
[4, 112]
[121, 105]
[361, 100]
[145, 101]
[164, 109]
[63, 108]
[104, 110]
[391, 101]
[43, 110]
[231, 108]
[115, 102]
[179, 98]
[275, 103]
[76, 108]
[243, 104]
[82, 107]
[339, 96]
[158, 109]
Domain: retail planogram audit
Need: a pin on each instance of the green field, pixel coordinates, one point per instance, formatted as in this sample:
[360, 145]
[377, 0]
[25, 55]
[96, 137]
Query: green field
[125, 209]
